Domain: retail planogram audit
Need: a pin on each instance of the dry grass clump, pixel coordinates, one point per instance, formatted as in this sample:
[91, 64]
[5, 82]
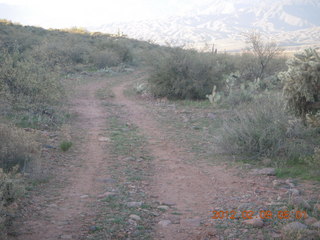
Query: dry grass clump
[17, 148]
[262, 129]
[11, 188]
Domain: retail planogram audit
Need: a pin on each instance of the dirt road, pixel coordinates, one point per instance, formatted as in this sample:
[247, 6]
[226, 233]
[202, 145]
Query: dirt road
[186, 187]
[189, 188]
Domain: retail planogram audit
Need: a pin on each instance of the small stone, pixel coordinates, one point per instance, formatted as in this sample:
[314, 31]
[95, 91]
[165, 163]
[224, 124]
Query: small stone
[276, 183]
[135, 217]
[163, 207]
[264, 171]
[164, 223]
[255, 222]
[53, 205]
[66, 237]
[104, 139]
[174, 219]
[194, 222]
[93, 228]
[247, 166]
[49, 146]
[293, 227]
[132, 222]
[276, 236]
[246, 207]
[107, 194]
[108, 180]
[211, 116]
[129, 159]
[290, 183]
[168, 203]
[316, 225]
[300, 202]
[294, 192]
[84, 196]
[310, 220]
[134, 204]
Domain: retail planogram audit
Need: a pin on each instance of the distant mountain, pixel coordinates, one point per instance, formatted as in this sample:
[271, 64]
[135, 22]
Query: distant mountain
[292, 23]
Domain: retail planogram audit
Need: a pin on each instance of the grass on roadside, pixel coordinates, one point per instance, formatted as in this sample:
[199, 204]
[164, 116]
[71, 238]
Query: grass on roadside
[130, 168]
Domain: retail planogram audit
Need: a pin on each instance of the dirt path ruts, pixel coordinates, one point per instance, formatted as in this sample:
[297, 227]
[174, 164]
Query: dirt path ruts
[193, 187]
[67, 216]
[189, 187]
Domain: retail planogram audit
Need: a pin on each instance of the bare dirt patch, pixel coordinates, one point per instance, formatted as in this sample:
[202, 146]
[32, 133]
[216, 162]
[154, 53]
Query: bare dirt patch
[63, 212]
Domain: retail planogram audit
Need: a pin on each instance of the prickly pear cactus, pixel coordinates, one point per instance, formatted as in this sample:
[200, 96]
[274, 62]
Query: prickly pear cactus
[215, 97]
[302, 82]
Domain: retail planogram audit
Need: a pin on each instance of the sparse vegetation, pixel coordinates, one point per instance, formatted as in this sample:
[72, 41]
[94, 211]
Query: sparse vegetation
[65, 145]
[133, 168]
[247, 117]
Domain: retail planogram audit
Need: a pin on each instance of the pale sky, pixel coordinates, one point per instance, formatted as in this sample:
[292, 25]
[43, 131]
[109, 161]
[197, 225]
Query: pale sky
[83, 13]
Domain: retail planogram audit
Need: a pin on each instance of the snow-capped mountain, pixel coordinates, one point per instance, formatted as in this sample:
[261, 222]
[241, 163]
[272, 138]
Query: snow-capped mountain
[291, 23]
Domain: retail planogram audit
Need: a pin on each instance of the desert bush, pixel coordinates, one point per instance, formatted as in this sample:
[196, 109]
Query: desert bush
[238, 96]
[11, 188]
[262, 129]
[65, 145]
[302, 83]
[17, 148]
[118, 47]
[188, 74]
[29, 87]
[106, 58]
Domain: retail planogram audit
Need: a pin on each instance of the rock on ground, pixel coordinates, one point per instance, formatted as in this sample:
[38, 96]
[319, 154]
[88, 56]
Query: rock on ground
[164, 223]
[134, 204]
[135, 217]
[300, 202]
[255, 222]
[293, 227]
[316, 225]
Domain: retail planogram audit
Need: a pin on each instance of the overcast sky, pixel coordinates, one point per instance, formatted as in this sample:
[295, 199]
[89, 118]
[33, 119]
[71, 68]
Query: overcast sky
[82, 13]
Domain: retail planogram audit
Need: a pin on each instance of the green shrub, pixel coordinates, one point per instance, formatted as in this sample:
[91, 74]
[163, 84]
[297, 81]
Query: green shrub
[17, 148]
[238, 96]
[263, 129]
[106, 58]
[187, 74]
[65, 146]
[29, 88]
